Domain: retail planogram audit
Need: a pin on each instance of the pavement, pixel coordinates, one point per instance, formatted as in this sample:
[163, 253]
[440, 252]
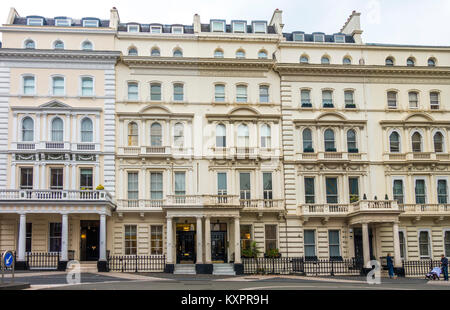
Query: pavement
[161, 281]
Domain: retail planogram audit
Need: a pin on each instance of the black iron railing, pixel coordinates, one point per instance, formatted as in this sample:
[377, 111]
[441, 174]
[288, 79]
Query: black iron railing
[43, 260]
[137, 263]
[420, 267]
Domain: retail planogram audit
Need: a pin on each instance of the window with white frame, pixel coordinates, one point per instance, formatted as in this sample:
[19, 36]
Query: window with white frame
[310, 196]
[156, 185]
[270, 236]
[29, 44]
[178, 92]
[87, 130]
[327, 99]
[156, 240]
[331, 190]
[305, 98]
[86, 179]
[353, 188]
[218, 53]
[218, 26]
[26, 178]
[56, 178]
[325, 60]
[180, 183]
[244, 185]
[394, 142]
[442, 191]
[239, 27]
[438, 141]
[221, 136]
[304, 59]
[265, 136]
[240, 54]
[58, 45]
[133, 28]
[352, 146]
[329, 141]
[307, 141]
[413, 100]
[401, 237]
[133, 91]
[58, 86]
[177, 29]
[87, 86]
[130, 239]
[219, 93]
[57, 130]
[133, 134]
[334, 244]
[87, 46]
[133, 186]
[63, 22]
[299, 37]
[392, 99]
[27, 129]
[55, 233]
[339, 38]
[267, 186]
[309, 243]
[178, 136]
[434, 100]
[241, 93]
[262, 54]
[155, 91]
[259, 27]
[90, 23]
[424, 244]
[263, 93]
[416, 142]
[156, 134]
[132, 51]
[420, 191]
[319, 38]
[155, 29]
[398, 191]
[35, 21]
[243, 136]
[222, 183]
[349, 99]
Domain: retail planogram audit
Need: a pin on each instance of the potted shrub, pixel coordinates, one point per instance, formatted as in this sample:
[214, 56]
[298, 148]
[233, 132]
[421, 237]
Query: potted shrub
[100, 187]
[353, 150]
[308, 150]
[330, 149]
[354, 198]
[273, 253]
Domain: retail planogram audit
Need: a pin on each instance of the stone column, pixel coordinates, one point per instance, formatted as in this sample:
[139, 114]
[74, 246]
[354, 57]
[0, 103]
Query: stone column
[169, 241]
[207, 240]
[102, 264]
[366, 244]
[199, 241]
[237, 241]
[397, 255]
[22, 237]
[64, 237]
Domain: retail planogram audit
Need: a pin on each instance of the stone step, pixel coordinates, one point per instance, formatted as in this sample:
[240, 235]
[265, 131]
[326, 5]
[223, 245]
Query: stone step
[184, 269]
[223, 270]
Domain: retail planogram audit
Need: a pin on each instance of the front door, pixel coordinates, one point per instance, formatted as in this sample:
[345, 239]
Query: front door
[358, 241]
[218, 246]
[186, 247]
[89, 240]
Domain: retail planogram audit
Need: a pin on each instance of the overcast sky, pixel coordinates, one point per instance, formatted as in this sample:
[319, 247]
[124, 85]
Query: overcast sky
[383, 21]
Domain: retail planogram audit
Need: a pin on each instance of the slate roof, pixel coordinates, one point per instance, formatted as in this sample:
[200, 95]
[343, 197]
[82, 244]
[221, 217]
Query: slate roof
[51, 21]
[310, 37]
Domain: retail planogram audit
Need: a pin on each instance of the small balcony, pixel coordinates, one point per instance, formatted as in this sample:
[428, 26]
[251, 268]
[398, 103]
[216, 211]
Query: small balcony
[55, 146]
[339, 210]
[262, 204]
[416, 156]
[55, 195]
[154, 151]
[425, 209]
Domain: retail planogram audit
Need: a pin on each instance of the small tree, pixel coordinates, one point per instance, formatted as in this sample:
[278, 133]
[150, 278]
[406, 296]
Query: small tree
[253, 252]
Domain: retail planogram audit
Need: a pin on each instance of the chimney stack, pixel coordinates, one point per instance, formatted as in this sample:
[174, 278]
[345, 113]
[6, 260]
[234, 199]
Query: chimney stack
[353, 27]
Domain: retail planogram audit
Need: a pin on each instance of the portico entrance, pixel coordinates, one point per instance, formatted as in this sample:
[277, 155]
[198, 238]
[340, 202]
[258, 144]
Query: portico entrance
[358, 240]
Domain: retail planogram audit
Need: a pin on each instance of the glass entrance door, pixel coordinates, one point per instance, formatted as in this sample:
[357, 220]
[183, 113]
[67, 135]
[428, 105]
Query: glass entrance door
[219, 242]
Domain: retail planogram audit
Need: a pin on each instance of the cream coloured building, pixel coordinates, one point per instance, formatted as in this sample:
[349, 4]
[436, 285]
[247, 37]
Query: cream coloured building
[209, 136]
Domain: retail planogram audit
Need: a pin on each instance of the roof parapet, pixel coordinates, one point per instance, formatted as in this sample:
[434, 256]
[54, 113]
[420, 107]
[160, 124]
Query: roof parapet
[11, 16]
[353, 27]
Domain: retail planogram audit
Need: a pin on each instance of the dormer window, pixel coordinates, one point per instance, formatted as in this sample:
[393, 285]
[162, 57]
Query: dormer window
[218, 26]
[90, 23]
[239, 27]
[133, 28]
[155, 29]
[177, 30]
[35, 21]
[319, 38]
[299, 37]
[63, 22]
[339, 38]
[259, 27]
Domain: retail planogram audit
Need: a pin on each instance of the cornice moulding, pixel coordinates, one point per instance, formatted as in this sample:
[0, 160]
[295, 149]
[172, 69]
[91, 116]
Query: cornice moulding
[57, 55]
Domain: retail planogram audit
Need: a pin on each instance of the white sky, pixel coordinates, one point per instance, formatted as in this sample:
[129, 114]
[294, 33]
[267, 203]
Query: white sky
[383, 21]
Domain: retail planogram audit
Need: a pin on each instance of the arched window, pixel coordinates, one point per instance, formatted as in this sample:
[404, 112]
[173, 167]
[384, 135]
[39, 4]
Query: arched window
[57, 130]
[307, 141]
[178, 136]
[156, 134]
[133, 134]
[29, 44]
[438, 140]
[431, 62]
[218, 53]
[87, 130]
[87, 46]
[389, 62]
[304, 59]
[240, 54]
[58, 45]
[265, 136]
[221, 136]
[347, 61]
[132, 51]
[155, 52]
[262, 54]
[325, 60]
[351, 141]
[394, 142]
[27, 129]
[416, 142]
[243, 136]
[410, 62]
[329, 141]
[177, 53]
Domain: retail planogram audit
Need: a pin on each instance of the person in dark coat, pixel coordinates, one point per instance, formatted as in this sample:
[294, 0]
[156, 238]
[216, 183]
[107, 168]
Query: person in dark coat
[444, 266]
[390, 265]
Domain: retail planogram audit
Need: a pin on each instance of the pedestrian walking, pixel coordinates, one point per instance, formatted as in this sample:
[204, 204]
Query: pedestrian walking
[390, 265]
[444, 266]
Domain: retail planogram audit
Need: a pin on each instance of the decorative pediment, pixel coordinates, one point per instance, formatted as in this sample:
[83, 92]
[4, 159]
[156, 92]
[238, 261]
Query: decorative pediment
[155, 109]
[419, 117]
[244, 111]
[243, 114]
[55, 104]
[331, 116]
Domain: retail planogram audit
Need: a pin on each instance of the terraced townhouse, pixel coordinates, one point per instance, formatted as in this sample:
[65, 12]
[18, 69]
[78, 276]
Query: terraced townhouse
[178, 146]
